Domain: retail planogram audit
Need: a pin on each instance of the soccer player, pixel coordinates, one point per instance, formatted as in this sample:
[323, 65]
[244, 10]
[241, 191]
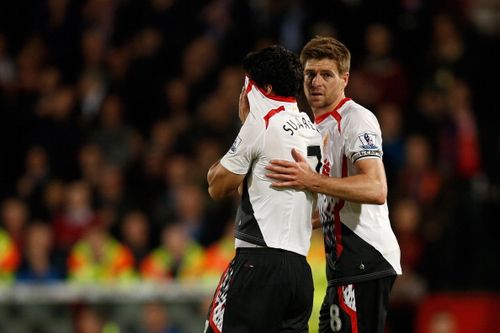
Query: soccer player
[362, 253]
[268, 285]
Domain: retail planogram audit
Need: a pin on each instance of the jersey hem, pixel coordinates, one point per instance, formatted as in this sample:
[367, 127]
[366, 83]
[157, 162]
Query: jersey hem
[250, 239]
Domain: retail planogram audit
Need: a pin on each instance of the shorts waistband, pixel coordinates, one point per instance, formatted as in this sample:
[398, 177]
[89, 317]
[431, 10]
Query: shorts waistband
[266, 251]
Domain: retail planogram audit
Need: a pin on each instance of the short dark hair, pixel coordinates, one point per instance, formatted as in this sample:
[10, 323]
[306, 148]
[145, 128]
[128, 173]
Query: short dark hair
[277, 66]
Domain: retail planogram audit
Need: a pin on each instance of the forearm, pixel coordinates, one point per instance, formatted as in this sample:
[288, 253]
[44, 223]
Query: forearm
[216, 186]
[369, 185]
[358, 188]
[221, 182]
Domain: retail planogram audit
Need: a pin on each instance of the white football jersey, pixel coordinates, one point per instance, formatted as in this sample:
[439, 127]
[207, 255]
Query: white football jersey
[277, 218]
[359, 241]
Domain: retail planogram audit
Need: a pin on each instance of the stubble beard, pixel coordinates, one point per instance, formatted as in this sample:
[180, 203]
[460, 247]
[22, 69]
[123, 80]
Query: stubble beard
[318, 105]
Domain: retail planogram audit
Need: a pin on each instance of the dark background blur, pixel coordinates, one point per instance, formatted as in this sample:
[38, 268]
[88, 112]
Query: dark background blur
[113, 110]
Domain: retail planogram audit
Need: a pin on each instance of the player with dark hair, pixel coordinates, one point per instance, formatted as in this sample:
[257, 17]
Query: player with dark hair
[268, 285]
[284, 75]
[362, 253]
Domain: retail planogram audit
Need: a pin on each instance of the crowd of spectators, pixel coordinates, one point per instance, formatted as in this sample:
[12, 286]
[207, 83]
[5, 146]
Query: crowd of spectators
[112, 111]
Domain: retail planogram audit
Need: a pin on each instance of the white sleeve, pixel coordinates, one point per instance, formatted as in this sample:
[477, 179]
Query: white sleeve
[246, 147]
[363, 136]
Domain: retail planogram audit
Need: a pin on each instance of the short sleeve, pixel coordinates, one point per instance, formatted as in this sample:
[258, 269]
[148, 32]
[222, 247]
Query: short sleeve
[363, 136]
[246, 147]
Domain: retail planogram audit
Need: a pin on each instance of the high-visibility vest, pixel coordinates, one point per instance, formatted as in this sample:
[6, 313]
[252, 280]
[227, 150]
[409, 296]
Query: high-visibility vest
[116, 264]
[160, 265]
[9, 257]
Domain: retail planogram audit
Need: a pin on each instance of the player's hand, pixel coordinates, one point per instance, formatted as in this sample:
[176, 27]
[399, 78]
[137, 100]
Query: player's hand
[243, 105]
[297, 174]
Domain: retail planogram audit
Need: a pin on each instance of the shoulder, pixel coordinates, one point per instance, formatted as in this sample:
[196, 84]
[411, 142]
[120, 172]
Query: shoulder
[353, 110]
[354, 113]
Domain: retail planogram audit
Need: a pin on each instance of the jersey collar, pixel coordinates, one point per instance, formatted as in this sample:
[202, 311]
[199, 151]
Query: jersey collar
[286, 99]
[334, 113]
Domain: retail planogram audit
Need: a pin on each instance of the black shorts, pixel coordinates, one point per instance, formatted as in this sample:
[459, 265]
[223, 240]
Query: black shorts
[263, 290]
[356, 308]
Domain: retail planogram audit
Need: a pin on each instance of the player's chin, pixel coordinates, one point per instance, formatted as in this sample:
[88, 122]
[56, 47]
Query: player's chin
[316, 100]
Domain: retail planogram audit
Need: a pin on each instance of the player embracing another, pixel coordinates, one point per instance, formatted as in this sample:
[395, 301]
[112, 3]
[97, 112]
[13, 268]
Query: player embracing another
[268, 286]
[362, 253]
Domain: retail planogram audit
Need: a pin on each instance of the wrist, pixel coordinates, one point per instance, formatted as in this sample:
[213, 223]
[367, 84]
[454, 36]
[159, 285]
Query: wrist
[314, 183]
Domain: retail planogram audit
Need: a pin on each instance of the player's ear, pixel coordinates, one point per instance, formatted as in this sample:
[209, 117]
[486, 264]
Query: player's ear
[268, 88]
[345, 78]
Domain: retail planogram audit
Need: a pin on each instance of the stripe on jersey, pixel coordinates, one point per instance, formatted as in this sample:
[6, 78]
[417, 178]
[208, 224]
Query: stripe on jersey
[247, 227]
[339, 246]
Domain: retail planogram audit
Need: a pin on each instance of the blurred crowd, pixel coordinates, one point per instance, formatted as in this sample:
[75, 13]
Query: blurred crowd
[112, 111]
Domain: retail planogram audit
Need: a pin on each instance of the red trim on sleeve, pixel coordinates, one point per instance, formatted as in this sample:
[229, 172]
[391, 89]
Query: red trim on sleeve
[272, 113]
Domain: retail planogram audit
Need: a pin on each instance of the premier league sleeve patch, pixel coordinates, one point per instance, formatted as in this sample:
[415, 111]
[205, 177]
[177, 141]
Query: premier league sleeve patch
[367, 145]
[368, 141]
[235, 145]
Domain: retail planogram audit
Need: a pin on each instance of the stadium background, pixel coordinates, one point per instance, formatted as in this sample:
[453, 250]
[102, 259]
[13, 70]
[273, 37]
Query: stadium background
[112, 111]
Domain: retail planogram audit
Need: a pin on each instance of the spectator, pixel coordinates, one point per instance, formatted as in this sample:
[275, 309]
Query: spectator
[113, 137]
[37, 265]
[178, 257]
[166, 205]
[410, 288]
[460, 151]
[89, 320]
[189, 208]
[15, 217]
[419, 178]
[53, 198]
[135, 234]
[91, 94]
[111, 195]
[391, 124]
[31, 184]
[155, 319]
[76, 217]
[380, 78]
[7, 68]
[91, 162]
[100, 259]
[177, 104]
[218, 255]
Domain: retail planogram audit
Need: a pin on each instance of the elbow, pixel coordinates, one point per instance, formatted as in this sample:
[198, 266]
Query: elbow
[219, 193]
[214, 194]
[379, 200]
[380, 196]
